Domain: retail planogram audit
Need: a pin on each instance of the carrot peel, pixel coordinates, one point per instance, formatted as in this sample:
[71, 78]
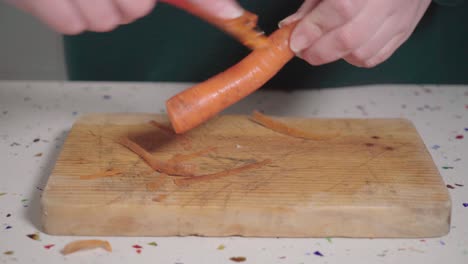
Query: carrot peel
[284, 129]
[86, 245]
[169, 168]
[217, 175]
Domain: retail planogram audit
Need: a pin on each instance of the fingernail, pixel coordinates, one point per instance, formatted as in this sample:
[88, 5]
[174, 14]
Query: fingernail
[290, 19]
[299, 42]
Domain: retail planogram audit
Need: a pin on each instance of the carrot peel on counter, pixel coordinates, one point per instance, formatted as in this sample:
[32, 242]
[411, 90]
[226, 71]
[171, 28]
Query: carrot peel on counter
[203, 101]
[284, 129]
[86, 245]
[217, 175]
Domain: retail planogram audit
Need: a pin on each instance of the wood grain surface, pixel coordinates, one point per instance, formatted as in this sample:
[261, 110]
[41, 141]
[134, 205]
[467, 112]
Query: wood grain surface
[375, 178]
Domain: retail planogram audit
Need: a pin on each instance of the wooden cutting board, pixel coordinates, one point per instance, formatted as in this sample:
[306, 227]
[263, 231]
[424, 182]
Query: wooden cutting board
[373, 178]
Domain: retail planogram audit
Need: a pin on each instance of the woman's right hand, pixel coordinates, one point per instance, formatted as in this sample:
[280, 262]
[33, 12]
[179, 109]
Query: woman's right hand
[75, 16]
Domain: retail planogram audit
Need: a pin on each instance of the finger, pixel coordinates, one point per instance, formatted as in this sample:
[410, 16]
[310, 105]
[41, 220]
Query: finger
[394, 27]
[100, 16]
[343, 40]
[60, 15]
[227, 9]
[305, 8]
[383, 36]
[386, 51]
[131, 10]
[328, 15]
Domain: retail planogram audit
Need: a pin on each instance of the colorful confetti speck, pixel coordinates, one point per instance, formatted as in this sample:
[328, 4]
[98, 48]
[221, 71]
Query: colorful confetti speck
[34, 236]
[1, 194]
[138, 251]
[435, 147]
[466, 129]
[49, 246]
[282, 257]
[450, 186]
[8, 215]
[442, 243]
[459, 185]
[318, 253]
[137, 246]
[329, 239]
[221, 247]
[38, 155]
[459, 137]
[238, 259]
[24, 200]
[9, 252]
[447, 167]
[154, 244]
[36, 140]
[8, 227]
[465, 204]
[106, 97]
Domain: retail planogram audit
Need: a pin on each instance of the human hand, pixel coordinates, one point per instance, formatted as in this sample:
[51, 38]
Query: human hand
[365, 33]
[75, 16]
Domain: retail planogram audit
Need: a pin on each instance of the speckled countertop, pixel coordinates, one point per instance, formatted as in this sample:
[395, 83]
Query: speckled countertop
[35, 118]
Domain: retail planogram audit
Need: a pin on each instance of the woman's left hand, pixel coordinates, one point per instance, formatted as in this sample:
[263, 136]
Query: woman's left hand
[363, 32]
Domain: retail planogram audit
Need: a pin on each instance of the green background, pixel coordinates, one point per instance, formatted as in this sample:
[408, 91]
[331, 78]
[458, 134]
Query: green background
[170, 45]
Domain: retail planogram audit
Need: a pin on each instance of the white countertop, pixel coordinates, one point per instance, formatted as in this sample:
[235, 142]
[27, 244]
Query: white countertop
[44, 112]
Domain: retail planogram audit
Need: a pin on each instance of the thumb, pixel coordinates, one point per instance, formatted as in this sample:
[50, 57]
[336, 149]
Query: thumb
[225, 9]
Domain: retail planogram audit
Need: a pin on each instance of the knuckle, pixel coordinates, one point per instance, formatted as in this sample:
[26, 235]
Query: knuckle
[344, 8]
[360, 55]
[71, 27]
[346, 39]
[140, 9]
[314, 58]
[106, 23]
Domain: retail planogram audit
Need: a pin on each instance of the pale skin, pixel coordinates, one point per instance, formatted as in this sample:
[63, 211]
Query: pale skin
[364, 33]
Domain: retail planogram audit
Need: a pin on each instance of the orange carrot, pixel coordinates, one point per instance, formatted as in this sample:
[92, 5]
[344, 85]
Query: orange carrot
[242, 28]
[217, 175]
[85, 245]
[284, 129]
[196, 105]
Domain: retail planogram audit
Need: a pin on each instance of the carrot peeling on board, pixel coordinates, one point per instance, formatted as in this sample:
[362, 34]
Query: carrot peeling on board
[183, 157]
[102, 174]
[156, 184]
[201, 102]
[183, 139]
[165, 128]
[284, 129]
[86, 245]
[217, 175]
[157, 165]
[243, 28]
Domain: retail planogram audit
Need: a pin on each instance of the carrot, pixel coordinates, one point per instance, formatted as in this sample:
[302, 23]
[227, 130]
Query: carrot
[284, 129]
[85, 245]
[217, 175]
[196, 105]
[242, 28]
